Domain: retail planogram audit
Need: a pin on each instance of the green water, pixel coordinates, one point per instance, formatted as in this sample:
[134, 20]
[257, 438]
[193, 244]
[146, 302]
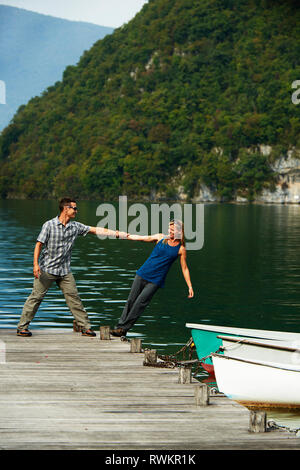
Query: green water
[246, 275]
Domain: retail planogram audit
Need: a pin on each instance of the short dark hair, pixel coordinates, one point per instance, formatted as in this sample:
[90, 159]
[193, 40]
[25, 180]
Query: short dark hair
[64, 202]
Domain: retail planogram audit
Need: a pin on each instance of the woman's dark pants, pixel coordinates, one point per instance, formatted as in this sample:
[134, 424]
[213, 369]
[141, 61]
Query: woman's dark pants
[140, 295]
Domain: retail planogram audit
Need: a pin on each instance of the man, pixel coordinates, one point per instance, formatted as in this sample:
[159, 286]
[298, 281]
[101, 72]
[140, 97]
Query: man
[51, 262]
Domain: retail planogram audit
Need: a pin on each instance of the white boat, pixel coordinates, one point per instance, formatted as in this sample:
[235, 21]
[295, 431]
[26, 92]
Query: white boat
[256, 383]
[206, 338]
[254, 349]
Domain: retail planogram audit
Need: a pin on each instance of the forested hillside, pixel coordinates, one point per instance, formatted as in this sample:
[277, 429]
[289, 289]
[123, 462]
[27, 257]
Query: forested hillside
[178, 96]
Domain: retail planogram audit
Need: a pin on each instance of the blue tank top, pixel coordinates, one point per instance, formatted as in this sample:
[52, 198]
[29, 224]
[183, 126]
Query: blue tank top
[156, 267]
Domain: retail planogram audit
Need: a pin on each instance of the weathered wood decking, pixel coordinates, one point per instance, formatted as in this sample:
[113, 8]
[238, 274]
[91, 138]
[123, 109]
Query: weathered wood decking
[60, 390]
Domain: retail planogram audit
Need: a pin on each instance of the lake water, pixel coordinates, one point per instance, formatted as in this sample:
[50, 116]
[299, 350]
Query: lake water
[247, 274]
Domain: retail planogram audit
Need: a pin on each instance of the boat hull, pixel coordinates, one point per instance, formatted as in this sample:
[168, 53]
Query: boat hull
[257, 384]
[261, 350]
[206, 338]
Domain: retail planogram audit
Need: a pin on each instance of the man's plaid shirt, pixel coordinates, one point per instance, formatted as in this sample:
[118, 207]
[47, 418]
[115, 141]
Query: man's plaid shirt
[58, 241]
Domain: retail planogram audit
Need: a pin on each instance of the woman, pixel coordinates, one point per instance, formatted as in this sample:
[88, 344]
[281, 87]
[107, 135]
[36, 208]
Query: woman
[153, 272]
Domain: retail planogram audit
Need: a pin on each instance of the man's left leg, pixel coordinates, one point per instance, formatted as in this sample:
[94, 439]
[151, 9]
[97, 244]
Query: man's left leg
[40, 289]
[68, 286]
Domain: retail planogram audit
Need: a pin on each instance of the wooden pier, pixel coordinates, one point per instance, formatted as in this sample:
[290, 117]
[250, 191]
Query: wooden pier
[63, 391]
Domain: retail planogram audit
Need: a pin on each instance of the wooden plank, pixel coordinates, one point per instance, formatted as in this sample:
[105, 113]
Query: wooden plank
[59, 390]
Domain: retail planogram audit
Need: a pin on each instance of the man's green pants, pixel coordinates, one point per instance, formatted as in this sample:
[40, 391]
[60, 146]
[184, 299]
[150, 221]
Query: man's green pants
[40, 288]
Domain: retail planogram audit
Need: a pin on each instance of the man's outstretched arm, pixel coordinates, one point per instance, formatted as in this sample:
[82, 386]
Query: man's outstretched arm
[106, 231]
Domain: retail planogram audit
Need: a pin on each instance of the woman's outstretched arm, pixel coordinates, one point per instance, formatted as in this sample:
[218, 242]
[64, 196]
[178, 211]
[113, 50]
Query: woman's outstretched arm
[185, 271]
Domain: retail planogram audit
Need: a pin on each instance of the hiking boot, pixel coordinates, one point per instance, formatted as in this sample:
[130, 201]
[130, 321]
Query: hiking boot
[24, 332]
[118, 332]
[88, 332]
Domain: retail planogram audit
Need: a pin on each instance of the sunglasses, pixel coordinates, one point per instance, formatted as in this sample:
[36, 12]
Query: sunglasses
[74, 208]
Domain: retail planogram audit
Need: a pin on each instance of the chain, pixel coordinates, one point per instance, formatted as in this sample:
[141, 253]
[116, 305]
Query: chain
[273, 425]
[172, 358]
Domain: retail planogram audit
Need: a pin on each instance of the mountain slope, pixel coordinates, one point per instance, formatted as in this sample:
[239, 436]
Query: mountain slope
[34, 51]
[177, 96]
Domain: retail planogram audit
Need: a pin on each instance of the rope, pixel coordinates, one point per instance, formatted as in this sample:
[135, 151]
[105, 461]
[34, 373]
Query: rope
[235, 346]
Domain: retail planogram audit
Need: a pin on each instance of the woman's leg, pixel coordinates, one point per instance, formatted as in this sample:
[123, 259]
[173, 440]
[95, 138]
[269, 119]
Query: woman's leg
[140, 295]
